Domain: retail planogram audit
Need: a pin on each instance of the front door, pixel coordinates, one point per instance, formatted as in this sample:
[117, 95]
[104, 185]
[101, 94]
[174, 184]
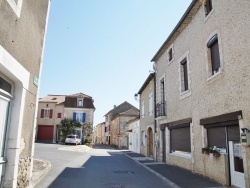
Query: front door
[236, 164]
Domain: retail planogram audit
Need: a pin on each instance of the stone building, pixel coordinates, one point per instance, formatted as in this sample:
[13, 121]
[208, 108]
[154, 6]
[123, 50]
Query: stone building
[202, 83]
[23, 31]
[99, 137]
[116, 122]
[149, 138]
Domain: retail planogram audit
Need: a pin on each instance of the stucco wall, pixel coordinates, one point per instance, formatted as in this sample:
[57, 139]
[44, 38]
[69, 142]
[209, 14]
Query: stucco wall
[22, 35]
[209, 96]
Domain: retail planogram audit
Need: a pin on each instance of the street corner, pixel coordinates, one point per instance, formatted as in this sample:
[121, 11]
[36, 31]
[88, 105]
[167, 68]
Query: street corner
[79, 148]
[40, 169]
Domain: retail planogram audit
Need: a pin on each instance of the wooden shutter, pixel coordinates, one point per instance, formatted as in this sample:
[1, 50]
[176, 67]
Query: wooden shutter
[216, 137]
[180, 139]
[42, 113]
[50, 113]
[83, 117]
[59, 115]
[74, 116]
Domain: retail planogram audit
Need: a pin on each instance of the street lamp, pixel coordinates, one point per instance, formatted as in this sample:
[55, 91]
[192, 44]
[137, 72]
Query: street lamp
[136, 97]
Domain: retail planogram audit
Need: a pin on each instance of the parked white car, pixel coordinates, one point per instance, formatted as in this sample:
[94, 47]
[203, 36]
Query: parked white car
[73, 139]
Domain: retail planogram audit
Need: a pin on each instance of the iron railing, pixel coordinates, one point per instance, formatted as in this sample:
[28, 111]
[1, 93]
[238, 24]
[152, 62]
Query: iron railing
[160, 109]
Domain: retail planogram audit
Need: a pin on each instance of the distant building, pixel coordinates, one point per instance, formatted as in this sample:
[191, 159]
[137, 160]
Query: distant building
[116, 124]
[99, 133]
[22, 30]
[134, 135]
[53, 108]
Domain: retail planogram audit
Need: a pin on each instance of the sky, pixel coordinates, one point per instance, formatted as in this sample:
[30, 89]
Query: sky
[103, 48]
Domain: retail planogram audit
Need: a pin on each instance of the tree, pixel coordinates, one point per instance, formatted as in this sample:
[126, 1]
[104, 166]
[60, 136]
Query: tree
[68, 126]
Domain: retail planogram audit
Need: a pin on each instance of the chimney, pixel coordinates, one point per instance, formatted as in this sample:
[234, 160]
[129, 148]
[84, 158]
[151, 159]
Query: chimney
[114, 106]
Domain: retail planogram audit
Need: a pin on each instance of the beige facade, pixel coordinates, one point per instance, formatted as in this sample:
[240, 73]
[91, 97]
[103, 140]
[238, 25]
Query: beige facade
[116, 124]
[99, 137]
[149, 138]
[53, 108]
[209, 99]
[22, 31]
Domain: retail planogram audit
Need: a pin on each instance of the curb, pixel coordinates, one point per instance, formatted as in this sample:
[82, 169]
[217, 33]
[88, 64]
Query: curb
[38, 175]
[156, 173]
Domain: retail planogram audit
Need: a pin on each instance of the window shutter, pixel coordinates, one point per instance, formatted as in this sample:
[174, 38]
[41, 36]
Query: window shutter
[83, 117]
[216, 137]
[50, 113]
[74, 116]
[215, 56]
[59, 115]
[180, 139]
[233, 133]
[42, 113]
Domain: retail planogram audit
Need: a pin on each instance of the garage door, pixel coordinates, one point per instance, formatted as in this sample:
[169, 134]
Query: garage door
[45, 132]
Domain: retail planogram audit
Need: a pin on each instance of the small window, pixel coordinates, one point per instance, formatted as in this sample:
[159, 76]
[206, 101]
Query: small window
[80, 102]
[208, 6]
[46, 113]
[59, 115]
[184, 75]
[214, 54]
[170, 54]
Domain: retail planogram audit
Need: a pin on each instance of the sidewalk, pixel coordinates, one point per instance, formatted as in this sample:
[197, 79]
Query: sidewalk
[178, 177]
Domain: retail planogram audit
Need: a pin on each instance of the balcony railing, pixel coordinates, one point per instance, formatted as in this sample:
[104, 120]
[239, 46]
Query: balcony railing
[160, 109]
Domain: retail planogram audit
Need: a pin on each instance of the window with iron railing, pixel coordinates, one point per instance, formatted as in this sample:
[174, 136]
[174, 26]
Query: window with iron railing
[160, 109]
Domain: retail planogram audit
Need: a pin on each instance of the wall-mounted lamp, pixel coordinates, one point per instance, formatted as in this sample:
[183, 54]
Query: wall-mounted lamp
[136, 97]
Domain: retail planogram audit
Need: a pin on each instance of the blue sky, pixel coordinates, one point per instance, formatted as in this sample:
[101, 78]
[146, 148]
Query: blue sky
[103, 48]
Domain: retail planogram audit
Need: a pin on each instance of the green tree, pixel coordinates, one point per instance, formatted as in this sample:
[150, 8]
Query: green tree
[68, 126]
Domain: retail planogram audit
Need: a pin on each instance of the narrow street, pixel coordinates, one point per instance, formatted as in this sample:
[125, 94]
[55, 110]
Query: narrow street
[99, 167]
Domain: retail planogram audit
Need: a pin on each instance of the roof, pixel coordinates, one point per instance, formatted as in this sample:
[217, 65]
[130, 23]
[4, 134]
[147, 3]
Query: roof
[123, 107]
[131, 112]
[79, 95]
[185, 19]
[150, 77]
[53, 98]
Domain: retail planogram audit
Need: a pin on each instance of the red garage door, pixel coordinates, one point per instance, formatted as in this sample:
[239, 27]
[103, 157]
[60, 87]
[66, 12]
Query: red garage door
[45, 132]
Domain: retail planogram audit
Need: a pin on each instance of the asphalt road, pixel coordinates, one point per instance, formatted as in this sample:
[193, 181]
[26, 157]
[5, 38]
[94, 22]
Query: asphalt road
[100, 167]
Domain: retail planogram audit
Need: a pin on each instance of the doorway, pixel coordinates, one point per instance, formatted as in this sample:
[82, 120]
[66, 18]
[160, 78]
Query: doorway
[150, 142]
[236, 164]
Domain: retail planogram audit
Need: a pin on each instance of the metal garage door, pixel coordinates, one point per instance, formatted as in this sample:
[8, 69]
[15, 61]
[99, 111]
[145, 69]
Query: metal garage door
[45, 132]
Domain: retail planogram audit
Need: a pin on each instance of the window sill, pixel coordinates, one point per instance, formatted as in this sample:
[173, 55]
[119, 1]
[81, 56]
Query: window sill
[207, 16]
[169, 62]
[185, 94]
[215, 77]
[181, 154]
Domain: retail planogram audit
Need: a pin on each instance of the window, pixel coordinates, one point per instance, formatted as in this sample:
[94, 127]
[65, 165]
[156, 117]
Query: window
[214, 54]
[208, 6]
[220, 135]
[162, 90]
[143, 140]
[170, 54]
[46, 113]
[142, 109]
[79, 102]
[150, 105]
[180, 139]
[59, 115]
[184, 75]
[16, 5]
[80, 117]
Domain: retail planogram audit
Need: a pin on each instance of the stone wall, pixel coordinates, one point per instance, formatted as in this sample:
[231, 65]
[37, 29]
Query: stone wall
[23, 179]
